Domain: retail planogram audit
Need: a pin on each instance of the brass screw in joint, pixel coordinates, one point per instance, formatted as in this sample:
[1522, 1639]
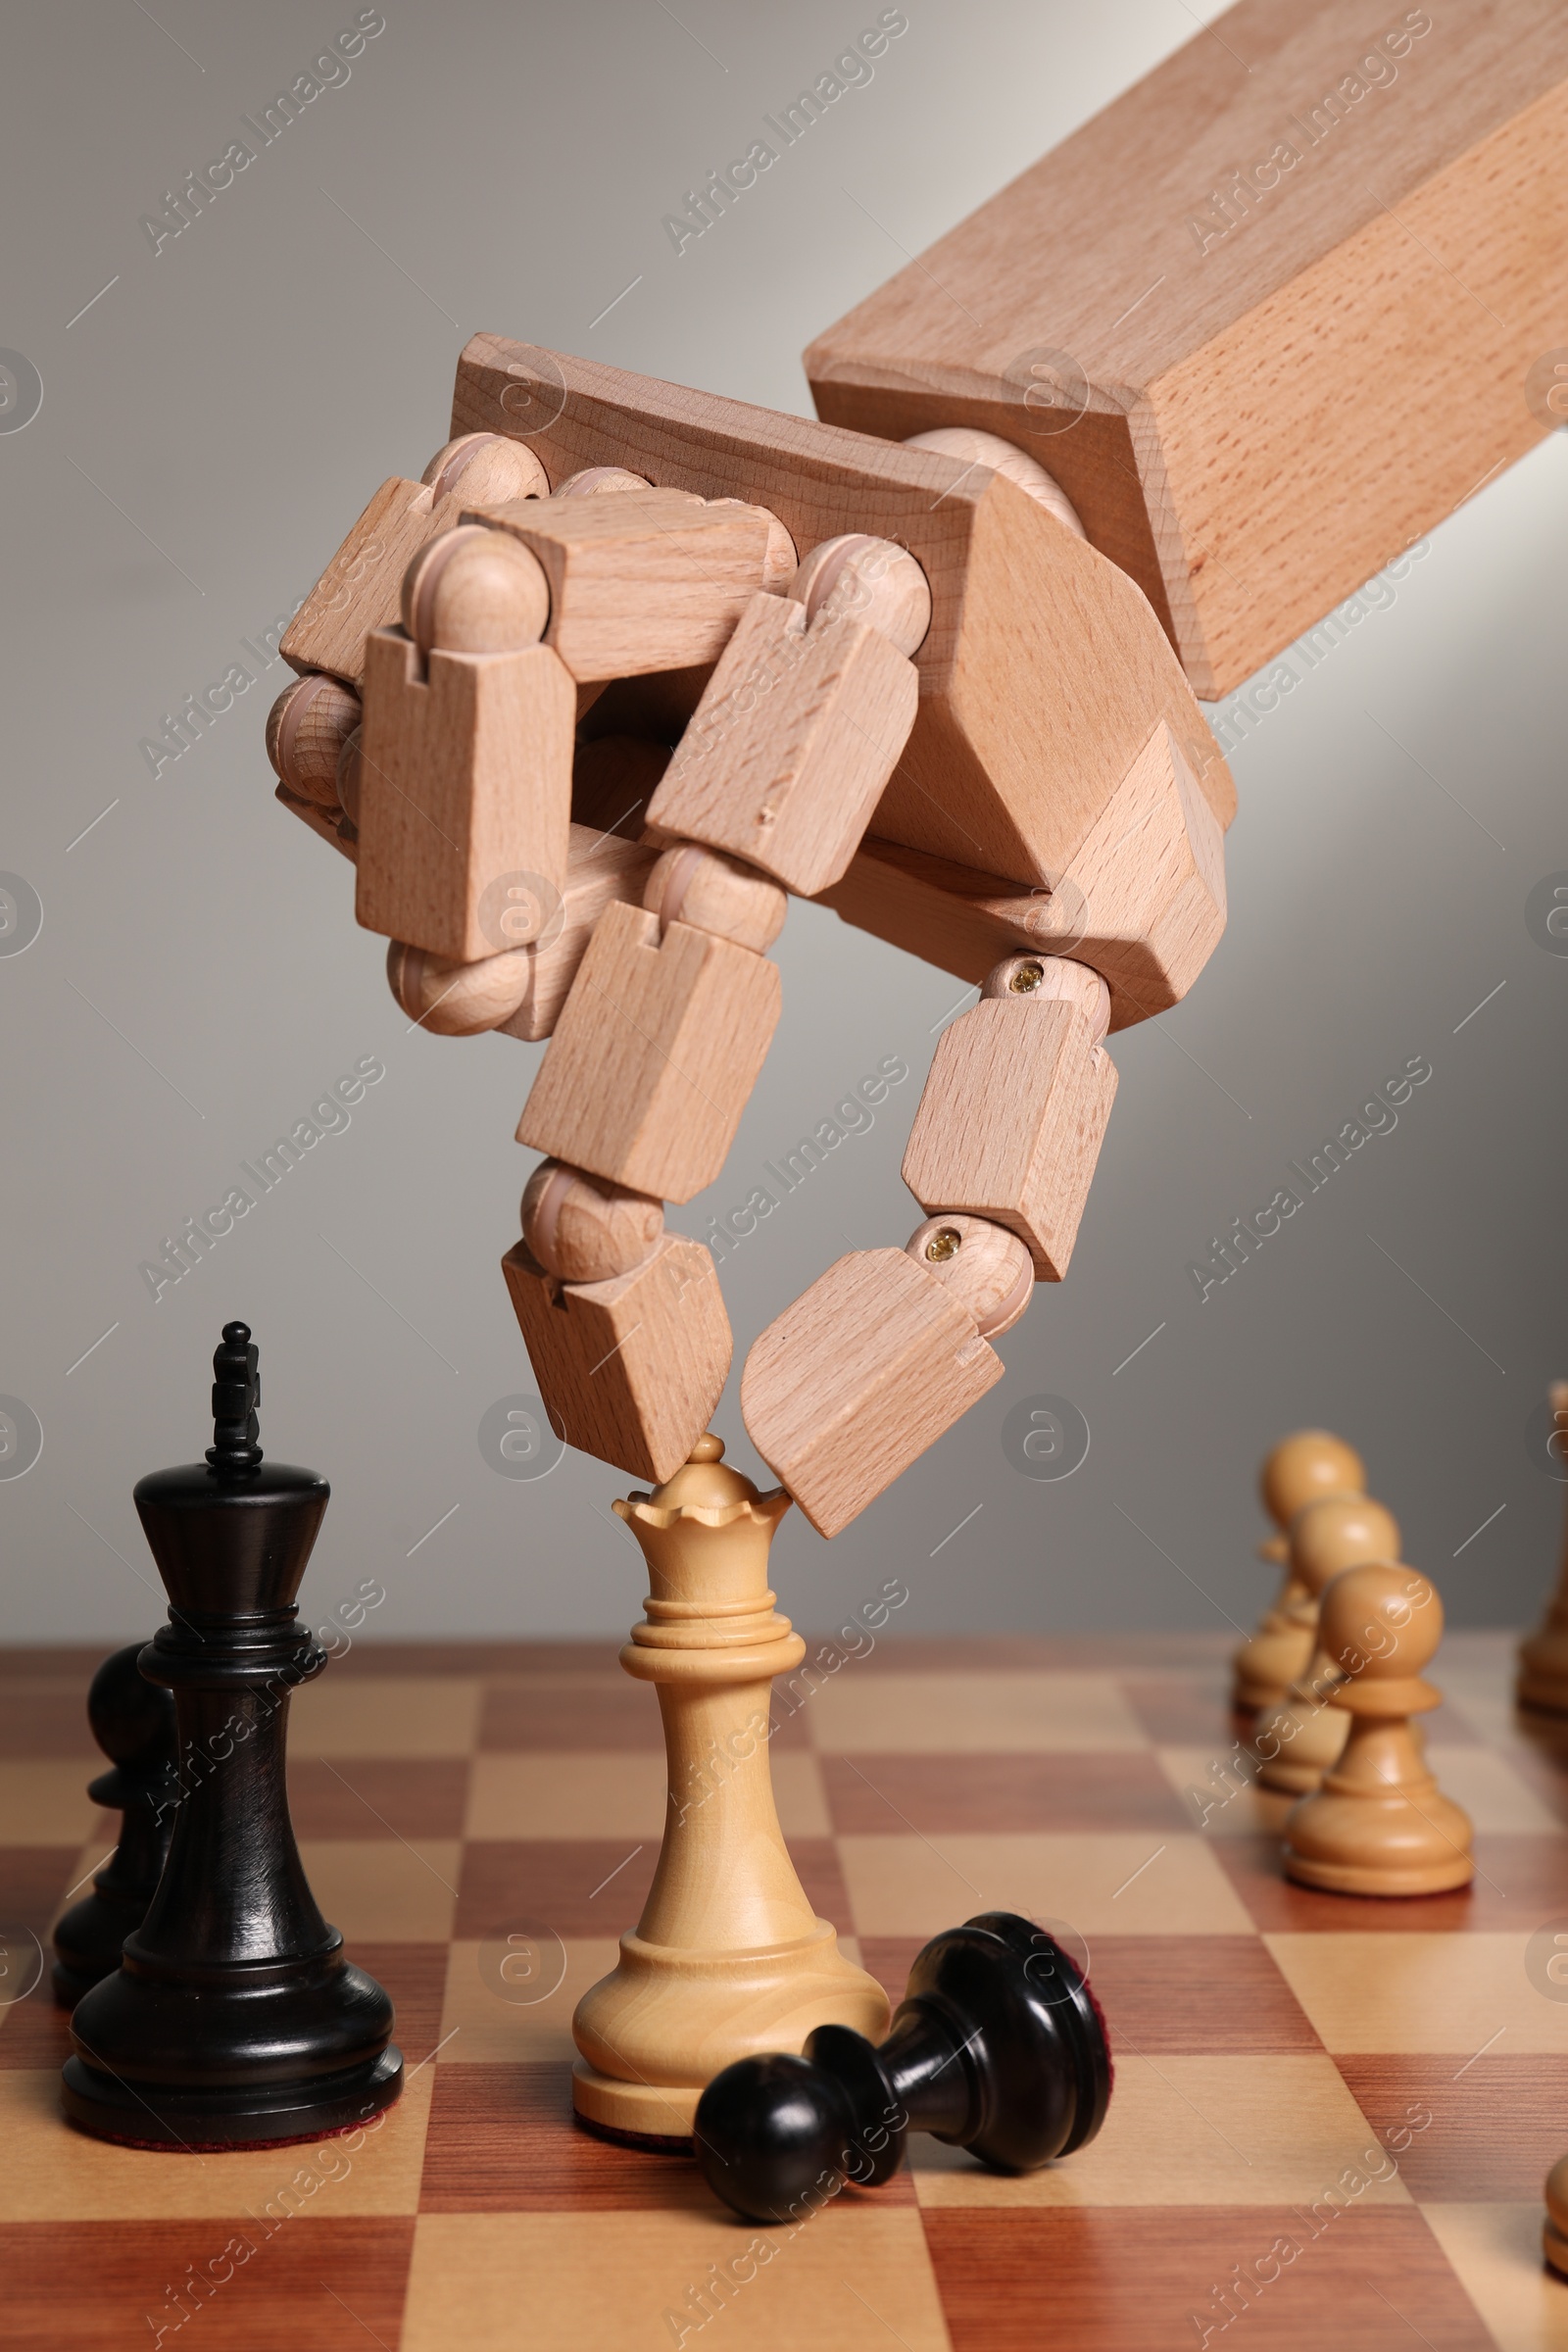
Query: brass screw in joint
[943, 1243]
[1026, 979]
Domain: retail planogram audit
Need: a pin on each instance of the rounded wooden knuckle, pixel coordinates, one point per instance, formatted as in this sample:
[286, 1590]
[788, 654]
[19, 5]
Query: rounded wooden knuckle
[985, 1267]
[1037, 979]
[457, 1000]
[972, 447]
[489, 469]
[602, 481]
[711, 892]
[581, 1228]
[306, 729]
[874, 580]
[474, 590]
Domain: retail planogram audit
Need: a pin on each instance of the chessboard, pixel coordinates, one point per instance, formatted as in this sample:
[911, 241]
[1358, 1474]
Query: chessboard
[1331, 2121]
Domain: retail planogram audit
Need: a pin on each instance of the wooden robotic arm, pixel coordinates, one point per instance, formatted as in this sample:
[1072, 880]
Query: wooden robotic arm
[947, 668]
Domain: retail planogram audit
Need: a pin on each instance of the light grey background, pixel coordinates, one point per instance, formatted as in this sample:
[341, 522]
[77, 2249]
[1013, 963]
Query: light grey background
[210, 427]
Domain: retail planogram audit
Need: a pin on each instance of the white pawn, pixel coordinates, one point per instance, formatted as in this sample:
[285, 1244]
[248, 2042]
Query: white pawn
[1378, 1824]
[1300, 1741]
[1302, 1468]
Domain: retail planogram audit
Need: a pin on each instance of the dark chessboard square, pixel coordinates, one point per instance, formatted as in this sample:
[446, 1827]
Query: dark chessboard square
[1498, 2124]
[573, 1886]
[34, 1882]
[363, 1797]
[1129, 2279]
[313, 2286]
[1176, 1994]
[595, 1885]
[502, 2139]
[35, 2033]
[569, 1713]
[1515, 1874]
[486, 1659]
[934, 1794]
[47, 1716]
[1187, 1710]
[415, 1976]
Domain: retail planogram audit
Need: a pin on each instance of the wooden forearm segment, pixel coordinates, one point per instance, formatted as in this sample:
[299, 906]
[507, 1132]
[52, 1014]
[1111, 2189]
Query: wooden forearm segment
[1010, 1122]
[882, 1355]
[1211, 351]
[804, 716]
[624, 1323]
[361, 587]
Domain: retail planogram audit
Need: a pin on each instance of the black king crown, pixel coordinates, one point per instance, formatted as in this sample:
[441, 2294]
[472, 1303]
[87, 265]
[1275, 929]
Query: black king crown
[237, 1396]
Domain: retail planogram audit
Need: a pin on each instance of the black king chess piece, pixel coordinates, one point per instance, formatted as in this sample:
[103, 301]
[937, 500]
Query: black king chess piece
[999, 2046]
[134, 1722]
[234, 2019]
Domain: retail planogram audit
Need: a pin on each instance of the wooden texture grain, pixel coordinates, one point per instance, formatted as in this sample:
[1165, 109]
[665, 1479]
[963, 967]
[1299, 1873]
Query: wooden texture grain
[601, 869]
[852, 1382]
[1044, 671]
[629, 1370]
[788, 752]
[1235, 281]
[362, 587]
[465, 781]
[641, 580]
[654, 1056]
[1010, 1122]
[1143, 901]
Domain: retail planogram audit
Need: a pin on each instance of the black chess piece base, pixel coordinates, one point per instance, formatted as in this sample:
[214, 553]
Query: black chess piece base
[999, 2047]
[223, 2081]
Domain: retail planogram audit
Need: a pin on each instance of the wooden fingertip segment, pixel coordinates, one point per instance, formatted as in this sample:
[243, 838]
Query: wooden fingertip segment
[464, 794]
[362, 587]
[644, 580]
[796, 733]
[629, 1369]
[851, 1385]
[1011, 1123]
[654, 1056]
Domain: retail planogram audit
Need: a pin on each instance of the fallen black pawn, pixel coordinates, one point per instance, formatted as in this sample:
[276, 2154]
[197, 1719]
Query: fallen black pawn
[134, 1722]
[999, 2046]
